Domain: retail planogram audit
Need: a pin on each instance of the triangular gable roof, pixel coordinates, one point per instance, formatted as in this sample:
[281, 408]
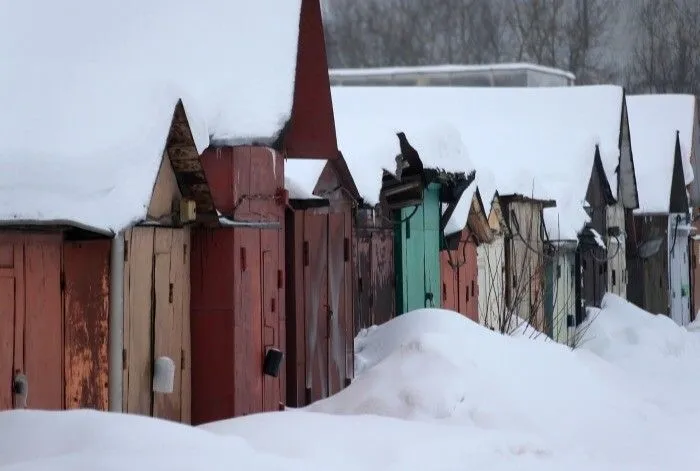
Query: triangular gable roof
[109, 193]
[658, 124]
[302, 178]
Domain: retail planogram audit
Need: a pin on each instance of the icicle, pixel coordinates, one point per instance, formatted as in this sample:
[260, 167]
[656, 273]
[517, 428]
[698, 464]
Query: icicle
[274, 162]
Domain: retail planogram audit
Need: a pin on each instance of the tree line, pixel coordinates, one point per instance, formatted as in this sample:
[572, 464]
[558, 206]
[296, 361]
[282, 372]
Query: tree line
[646, 45]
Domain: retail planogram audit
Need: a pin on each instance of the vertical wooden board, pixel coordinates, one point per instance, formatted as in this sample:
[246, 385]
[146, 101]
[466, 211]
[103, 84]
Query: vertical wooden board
[86, 311]
[282, 294]
[338, 314]
[348, 295]
[211, 325]
[384, 306]
[271, 338]
[20, 306]
[472, 276]
[167, 322]
[7, 322]
[431, 243]
[316, 306]
[126, 321]
[294, 315]
[448, 278]
[362, 281]
[139, 339]
[413, 261]
[186, 381]
[248, 323]
[43, 330]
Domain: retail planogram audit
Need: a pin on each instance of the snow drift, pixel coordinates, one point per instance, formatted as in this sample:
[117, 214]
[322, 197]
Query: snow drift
[433, 391]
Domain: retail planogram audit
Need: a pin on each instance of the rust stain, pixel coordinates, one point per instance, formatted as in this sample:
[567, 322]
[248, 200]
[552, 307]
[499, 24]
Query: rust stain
[86, 268]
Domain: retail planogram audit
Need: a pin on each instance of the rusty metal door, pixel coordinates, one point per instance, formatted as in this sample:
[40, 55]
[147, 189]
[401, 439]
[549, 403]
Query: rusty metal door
[316, 307]
[86, 306]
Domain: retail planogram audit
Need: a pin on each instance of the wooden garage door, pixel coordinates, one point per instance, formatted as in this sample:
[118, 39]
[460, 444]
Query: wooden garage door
[31, 318]
[156, 320]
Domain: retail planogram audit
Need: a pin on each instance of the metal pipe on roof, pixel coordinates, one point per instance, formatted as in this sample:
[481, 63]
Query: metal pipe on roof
[116, 322]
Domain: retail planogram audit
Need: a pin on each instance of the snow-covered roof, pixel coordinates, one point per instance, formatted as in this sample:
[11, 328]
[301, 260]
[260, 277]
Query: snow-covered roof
[450, 68]
[537, 142]
[88, 88]
[654, 121]
[301, 177]
[367, 120]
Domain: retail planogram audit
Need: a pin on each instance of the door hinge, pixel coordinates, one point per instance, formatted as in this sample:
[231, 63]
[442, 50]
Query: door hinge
[305, 250]
[346, 249]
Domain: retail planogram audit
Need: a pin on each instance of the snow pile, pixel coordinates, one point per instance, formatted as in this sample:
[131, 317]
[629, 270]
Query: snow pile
[431, 365]
[537, 142]
[85, 440]
[654, 121]
[301, 177]
[433, 391]
[88, 97]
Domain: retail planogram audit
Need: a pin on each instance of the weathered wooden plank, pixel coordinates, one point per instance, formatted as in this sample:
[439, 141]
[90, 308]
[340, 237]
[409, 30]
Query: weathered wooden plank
[7, 330]
[248, 323]
[127, 320]
[43, 330]
[349, 306]
[213, 263]
[20, 304]
[184, 303]
[272, 394]
[316, 305]
[86, 311]
[139, 337]
[165, 191]
[296, 339]
[168, 320]
[336, 301]
[282, 306]
[383, 307]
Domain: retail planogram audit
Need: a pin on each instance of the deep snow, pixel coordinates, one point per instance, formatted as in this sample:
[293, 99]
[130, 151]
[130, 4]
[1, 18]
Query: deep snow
[433, 391]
